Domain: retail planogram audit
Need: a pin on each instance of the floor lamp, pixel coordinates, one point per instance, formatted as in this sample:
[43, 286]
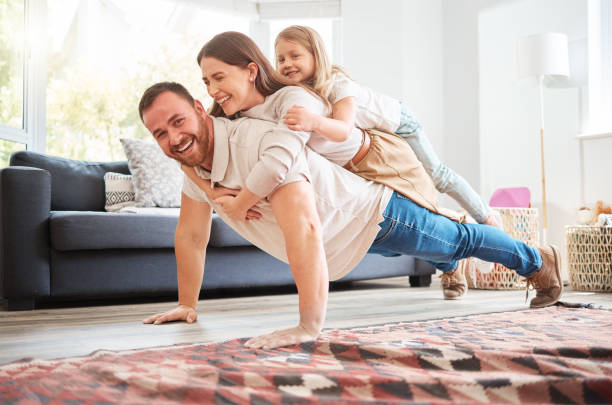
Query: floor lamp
[542, 56]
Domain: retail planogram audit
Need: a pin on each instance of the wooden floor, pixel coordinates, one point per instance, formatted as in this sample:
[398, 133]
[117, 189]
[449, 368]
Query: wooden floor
[62, 332]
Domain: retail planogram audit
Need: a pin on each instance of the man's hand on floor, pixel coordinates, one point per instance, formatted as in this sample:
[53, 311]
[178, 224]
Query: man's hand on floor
[284, 337]
[180, 313]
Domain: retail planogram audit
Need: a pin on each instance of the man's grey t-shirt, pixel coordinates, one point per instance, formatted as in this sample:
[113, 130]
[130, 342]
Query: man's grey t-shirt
[349, 206]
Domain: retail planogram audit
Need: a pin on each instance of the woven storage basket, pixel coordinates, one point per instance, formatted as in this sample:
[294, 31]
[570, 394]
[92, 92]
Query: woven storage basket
[589, 257]
[520, 223]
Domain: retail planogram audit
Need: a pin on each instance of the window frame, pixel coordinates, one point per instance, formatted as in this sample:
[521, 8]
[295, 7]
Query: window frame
[36, 76]
[278, 10]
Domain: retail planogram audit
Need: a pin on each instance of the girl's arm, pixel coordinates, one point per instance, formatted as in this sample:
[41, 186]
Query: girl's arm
[337, 128]
[237, 204]
[241, 206]
[212, 193]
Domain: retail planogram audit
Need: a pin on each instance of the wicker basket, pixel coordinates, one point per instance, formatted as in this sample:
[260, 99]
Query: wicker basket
[589, 257]
[520, 223]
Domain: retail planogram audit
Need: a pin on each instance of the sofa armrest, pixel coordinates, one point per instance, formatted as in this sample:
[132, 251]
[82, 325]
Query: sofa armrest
[25, 203]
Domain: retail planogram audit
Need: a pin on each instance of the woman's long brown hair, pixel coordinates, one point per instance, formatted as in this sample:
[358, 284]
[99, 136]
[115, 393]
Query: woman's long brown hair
[237, 49]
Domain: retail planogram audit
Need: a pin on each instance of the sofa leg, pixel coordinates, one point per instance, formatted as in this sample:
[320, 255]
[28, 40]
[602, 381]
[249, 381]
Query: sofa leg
[420, 281]
[21, 304]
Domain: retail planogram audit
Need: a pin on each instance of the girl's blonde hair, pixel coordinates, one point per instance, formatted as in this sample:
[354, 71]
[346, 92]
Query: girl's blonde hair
[323, 78]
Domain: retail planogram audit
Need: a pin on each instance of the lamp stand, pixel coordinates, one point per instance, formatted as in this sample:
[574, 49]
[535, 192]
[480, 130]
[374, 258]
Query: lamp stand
[544, 222]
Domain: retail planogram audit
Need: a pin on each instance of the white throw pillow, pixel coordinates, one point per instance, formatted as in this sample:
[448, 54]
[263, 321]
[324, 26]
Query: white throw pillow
[157, 179]
[118, 190]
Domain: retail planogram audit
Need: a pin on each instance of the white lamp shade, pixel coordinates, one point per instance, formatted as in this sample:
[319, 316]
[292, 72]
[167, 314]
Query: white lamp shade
[543, 55]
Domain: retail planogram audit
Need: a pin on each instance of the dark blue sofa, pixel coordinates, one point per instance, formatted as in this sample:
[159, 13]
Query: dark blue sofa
[59, 244]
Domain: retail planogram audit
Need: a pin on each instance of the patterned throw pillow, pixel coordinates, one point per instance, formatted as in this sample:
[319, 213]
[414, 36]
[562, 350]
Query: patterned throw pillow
[157, 179]
[119, 191]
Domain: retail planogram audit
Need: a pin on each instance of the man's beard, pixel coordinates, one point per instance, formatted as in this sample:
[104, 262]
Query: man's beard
[200, 143]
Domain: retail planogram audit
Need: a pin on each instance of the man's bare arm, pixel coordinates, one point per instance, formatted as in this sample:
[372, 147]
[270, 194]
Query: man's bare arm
[190, 241]
[295, 211]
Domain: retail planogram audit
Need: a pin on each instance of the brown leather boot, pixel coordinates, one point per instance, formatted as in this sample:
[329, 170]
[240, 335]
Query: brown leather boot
[454, 284]
[547, 281]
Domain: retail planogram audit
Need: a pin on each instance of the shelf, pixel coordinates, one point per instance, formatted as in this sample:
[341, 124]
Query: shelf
[596, 135]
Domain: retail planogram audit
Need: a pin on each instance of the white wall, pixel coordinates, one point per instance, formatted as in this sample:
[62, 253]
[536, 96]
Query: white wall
[509, 110]
[498, 114]
[597, 169]
[454, 62]
[461, 139]
[395, 47]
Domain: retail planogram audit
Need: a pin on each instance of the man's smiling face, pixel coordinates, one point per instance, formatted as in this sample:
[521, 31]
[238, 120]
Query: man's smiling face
[179, 128]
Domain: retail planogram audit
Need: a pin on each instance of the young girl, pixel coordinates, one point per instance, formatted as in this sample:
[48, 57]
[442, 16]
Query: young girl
[301, 58]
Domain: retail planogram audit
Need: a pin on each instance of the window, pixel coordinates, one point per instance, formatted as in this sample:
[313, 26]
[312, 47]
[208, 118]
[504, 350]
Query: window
[325, 28]
[103, 55]
[322, 16]
[72, 71]
[6, 148]
[12, 28]
[12, 41]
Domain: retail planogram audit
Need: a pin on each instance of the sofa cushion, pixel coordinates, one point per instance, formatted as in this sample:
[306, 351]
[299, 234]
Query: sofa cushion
[83, 230]
[157, 179]
[222, 235]
[119, 191]
[79, 230]
[75, 185]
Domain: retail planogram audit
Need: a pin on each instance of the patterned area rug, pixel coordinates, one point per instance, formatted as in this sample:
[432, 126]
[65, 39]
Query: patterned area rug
[552, 355]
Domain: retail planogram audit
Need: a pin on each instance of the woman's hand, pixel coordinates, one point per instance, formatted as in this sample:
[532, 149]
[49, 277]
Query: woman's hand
[180, 313]
[284, 337]
[300, 119]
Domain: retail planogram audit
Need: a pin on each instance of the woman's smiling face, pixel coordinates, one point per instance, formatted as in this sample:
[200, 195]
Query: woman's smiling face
[230, 86]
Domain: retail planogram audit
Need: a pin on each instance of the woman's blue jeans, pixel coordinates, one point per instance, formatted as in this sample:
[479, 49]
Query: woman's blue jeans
[413, 230]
